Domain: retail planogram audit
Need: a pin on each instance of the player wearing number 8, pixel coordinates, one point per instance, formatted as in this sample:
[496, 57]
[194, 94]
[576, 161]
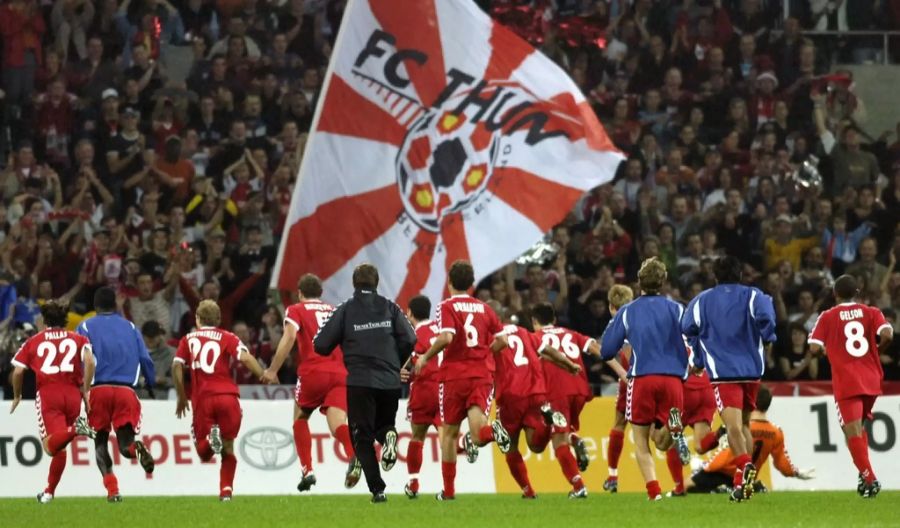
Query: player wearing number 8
[849, 335]
[121, 358]
[56, 357]
[210, 352]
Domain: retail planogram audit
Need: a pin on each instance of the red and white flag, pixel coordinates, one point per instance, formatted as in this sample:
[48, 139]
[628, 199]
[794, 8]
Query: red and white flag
[439, 135]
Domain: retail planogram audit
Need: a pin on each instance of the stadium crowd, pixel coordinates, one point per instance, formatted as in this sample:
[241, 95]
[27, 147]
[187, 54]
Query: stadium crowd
[174, 188]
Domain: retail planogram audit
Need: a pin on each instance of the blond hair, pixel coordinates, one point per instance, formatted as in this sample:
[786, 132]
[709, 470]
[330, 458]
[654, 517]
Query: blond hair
[619, 295]
[208, 313]
[652, 275]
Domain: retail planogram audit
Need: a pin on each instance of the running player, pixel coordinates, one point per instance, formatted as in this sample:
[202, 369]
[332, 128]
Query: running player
[651, 323]
[849, 336]
[121, 358]
[522, 403]
[568, 394]
[56, 356]
[210, 352]
[768, 439]
[321, 380]
[423, 406]
[619, 295]
[471, 332]
[730, 326]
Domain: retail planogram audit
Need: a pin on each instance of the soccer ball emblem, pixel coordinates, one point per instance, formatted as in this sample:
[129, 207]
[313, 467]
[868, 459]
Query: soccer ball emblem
[444, 163]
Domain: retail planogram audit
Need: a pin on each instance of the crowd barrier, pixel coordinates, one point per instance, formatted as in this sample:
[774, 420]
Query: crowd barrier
[267, 462]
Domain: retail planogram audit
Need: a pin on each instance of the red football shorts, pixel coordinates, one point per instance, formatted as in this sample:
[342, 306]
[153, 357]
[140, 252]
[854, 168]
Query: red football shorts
[570, 406]
[855, 408]
[458, 396]
[424, 405]
[621, 396]
[223, 410]
[114, 407]
[199, 423]
[57, 406]
[321, 390]
[650, 398]
[738, 395]
[699, 406]
[517, 413]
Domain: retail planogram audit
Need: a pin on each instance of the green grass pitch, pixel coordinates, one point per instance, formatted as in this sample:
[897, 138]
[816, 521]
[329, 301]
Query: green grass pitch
[813, 509]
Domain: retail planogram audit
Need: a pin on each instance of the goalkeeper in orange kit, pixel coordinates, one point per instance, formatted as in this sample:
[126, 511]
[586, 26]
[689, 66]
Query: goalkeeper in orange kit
[768, 439]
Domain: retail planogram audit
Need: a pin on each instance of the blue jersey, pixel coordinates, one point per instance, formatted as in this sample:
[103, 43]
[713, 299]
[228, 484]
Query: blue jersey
[119, 351]
[651, 324]
[729, 326]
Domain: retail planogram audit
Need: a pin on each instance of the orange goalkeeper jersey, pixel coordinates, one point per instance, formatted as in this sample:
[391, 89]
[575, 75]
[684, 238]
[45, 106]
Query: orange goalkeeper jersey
[768, 439]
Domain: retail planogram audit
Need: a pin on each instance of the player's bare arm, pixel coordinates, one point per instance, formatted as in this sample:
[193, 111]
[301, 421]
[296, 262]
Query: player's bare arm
[500, 342]
[18, 375]
[558, 358]
[285, 344]
[618, 369]
[90, 366]
[253, 366]
[183, 405]
[443, 340]
[886, 336]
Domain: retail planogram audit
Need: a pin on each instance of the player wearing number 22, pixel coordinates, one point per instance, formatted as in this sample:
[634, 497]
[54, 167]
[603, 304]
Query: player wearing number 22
[122, 359]
[849, 334]
[470, 333]
[56, 357]
[210, 352]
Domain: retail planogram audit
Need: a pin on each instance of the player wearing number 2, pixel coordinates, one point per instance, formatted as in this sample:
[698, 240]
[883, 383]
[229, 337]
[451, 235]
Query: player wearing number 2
[210, 352]
[321, 380]
[56, 357]
[471, 332]
[849, 334]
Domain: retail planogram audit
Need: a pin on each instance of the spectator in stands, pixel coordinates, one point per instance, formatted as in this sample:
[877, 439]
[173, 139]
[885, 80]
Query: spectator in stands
[161, 353]
[795, 360]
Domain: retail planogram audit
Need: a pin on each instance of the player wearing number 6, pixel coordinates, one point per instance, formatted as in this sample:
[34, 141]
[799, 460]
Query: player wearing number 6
[210, 352]
[56, 357]
[121, 359]
[849, 335]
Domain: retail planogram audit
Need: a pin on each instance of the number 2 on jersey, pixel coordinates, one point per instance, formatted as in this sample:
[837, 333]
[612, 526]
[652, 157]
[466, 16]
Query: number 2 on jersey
[519, 359]
[204, 355]
[48, 349]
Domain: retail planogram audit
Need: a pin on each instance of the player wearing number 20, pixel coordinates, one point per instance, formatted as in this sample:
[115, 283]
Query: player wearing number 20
[849, 335]
[210, 352]
[56, 357]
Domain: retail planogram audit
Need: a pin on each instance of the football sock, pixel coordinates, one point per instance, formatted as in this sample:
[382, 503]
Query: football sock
[485, 435]
[57, 466]
[130, 452]
[675, 468]
[653, 489]
[111, 483]
[740, 462]
[573, 438]
[448, 471]
[569, 466]
[414, 463]
[859, 450]
[226, 472]
[58, 441]
[460, 445]
[614, 449]
[342, 434]
[708, 442]
[204, 451]
[303, 443]
[519, 471]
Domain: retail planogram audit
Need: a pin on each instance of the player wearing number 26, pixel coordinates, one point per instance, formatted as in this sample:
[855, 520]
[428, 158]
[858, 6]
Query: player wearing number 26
[849, 334]
[63, 365]
[210, 353]
[121, 358]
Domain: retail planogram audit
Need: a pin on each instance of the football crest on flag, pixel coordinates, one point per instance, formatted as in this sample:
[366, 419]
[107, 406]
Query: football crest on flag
[439, 135]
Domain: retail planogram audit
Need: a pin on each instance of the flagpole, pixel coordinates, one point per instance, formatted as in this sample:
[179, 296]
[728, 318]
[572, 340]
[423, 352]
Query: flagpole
[295, 195]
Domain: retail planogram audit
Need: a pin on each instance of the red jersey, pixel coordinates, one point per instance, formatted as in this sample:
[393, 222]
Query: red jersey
[474, 326]
[307, 317]
[55, 355]
[210, 352]
[693, 382]
[848, 333]
[426, 334]
[519, 370]
[561, 382]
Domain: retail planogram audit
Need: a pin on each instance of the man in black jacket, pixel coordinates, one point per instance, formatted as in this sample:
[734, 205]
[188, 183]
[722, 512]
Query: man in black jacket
[376, 339]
